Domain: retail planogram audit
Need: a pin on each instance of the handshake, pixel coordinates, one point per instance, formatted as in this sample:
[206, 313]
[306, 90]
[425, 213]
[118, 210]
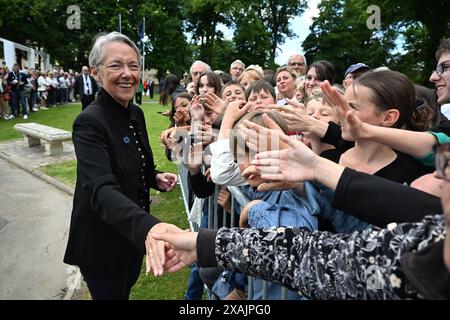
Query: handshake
[169, 248]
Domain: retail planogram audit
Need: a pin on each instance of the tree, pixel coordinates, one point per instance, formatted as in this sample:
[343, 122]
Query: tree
[422, 24]
[252, 40]
[276, 15]
[164, 26]
[202, 20]
[341, 36]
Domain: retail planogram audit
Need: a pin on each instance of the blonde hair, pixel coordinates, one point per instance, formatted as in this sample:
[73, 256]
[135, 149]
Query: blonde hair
[237, 141]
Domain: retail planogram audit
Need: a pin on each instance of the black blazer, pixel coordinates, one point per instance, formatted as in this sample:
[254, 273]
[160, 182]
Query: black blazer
[108, 229]
[20, 77]
[78, 86]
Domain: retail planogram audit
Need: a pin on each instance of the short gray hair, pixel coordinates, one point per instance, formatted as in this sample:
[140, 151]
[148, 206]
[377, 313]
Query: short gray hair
[208, 68]
[101, 40]
[238, 62]
[298, 54]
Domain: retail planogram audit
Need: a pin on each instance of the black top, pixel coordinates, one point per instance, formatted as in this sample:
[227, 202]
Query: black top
[19, 77]
[370, 198]
[333, 136]
[110, 218]
[442, 127]
[380, 202]
[404, 169]
[388, 202]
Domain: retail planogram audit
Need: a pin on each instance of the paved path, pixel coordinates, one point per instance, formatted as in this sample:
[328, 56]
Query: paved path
[34, 221]
[34, 157]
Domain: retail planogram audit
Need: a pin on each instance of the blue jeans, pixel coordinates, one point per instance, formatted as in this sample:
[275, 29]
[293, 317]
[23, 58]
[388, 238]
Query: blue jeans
[195, 285]
[17, 99]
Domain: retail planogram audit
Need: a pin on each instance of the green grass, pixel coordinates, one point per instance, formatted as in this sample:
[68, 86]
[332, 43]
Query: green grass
[168, 207]
[60, 117]
[65, 172]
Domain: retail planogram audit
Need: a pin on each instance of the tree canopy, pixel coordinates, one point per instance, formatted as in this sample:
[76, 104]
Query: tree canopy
[409, 34]
[182, 31]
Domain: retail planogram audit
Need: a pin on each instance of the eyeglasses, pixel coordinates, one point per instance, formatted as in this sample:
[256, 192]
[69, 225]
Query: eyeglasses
[300, 64]
[440, 68]
[116, 66]
[442, 154]
[196, 73]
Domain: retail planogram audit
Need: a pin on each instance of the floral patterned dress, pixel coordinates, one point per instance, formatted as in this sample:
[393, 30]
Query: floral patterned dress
[322, 265]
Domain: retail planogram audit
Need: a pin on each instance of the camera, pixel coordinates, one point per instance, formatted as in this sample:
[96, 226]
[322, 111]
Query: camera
[190, 139]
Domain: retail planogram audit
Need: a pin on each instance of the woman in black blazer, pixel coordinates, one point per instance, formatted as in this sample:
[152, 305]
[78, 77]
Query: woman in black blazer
[110, 218]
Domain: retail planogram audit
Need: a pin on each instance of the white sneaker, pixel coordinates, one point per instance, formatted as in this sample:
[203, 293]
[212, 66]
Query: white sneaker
[35, 109]
[25, 117]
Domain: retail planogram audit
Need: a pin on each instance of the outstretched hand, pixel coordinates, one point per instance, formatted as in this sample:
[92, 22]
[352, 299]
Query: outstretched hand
[295, 116]
[214, 103]
[197, 110]
[349, 120]
[158, 252]
[294, 164]
[260, 138]
[183, 248]
[166, 181]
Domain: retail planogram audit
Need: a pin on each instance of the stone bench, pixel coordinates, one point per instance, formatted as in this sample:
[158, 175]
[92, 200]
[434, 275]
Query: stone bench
[53, 137]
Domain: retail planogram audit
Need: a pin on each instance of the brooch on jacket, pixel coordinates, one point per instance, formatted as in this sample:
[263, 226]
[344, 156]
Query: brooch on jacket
[126, 140]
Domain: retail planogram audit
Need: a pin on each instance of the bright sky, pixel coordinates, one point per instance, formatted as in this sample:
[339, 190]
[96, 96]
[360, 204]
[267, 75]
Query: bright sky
[300, 25]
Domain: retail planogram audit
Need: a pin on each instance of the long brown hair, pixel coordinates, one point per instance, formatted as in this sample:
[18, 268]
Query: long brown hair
[393, 90]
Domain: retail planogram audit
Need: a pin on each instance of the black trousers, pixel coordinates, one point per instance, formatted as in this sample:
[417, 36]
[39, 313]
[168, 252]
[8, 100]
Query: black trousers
[139, 98]
[112, 286]
[86, 100]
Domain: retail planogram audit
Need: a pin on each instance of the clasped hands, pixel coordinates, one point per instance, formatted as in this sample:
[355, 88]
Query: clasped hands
[169, 249]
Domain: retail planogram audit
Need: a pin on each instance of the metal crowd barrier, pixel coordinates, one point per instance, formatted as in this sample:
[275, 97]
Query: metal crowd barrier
[237, 197]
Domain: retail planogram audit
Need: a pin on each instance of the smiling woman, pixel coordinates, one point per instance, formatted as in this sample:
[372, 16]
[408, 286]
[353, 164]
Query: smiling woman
[115, 171]
[118, 68]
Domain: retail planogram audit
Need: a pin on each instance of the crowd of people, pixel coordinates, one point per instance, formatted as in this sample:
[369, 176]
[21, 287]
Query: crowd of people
[349, 185]
[30, 90]
[26, 90]
[317, 160]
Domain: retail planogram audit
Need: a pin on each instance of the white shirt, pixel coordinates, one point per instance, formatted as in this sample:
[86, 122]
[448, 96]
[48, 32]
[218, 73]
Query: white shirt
[87, 85]
[42, 84]
[224, 171]
[445, 109]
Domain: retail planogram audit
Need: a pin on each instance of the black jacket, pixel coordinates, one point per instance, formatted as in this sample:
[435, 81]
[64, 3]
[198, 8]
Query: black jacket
[20, 77]
[377, 201]
[78, 86]
[108, 228]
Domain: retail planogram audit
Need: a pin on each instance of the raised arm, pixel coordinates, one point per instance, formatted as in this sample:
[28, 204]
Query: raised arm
[370, 198]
